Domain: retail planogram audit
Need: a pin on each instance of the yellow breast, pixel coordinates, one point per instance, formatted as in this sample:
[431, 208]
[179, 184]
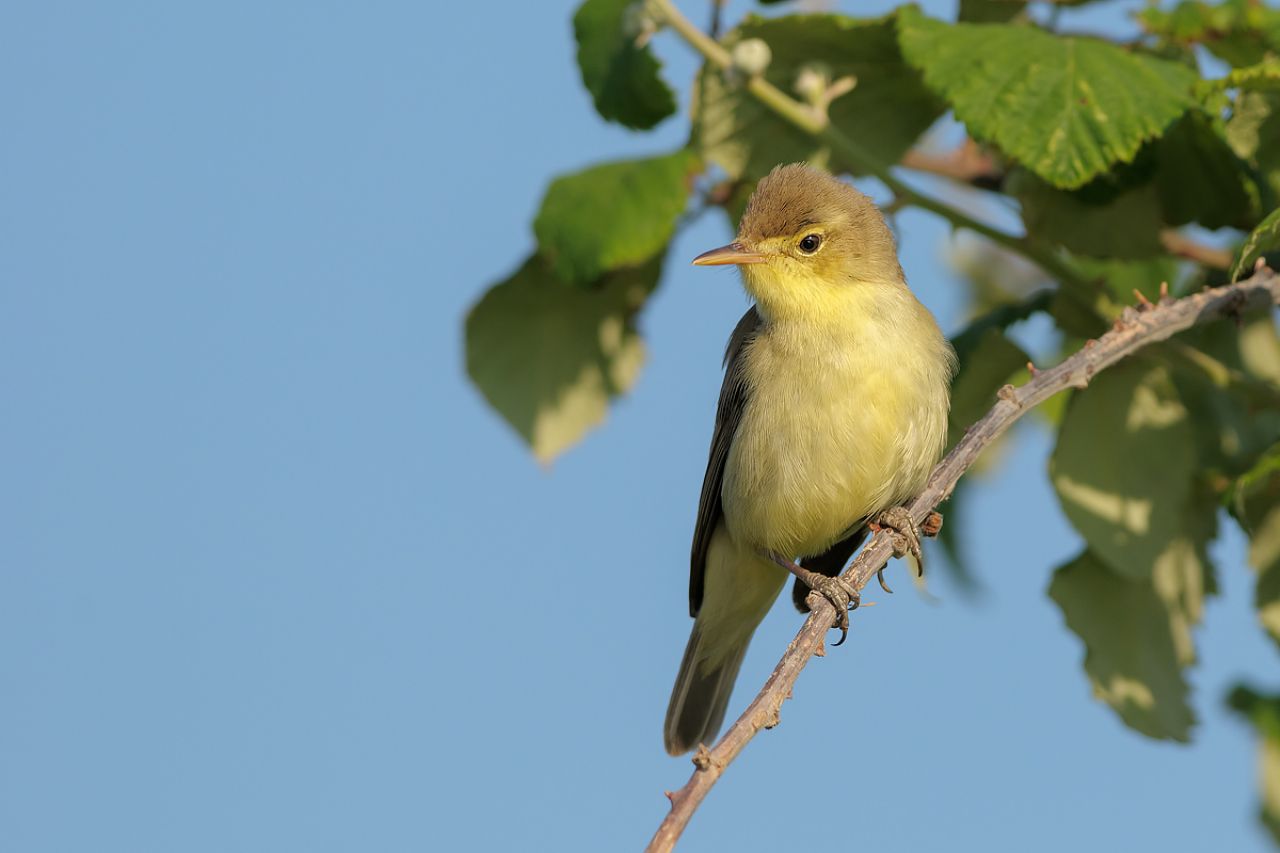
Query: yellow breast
[843, 419]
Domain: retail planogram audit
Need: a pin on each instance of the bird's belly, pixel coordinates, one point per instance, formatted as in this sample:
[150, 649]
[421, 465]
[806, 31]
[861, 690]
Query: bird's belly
[801, 472]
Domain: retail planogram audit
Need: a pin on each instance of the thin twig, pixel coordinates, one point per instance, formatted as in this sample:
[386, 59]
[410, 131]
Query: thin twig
[1137, 327]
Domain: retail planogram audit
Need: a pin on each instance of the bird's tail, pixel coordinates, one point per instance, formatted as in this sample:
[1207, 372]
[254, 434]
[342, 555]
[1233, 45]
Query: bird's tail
[740, 587]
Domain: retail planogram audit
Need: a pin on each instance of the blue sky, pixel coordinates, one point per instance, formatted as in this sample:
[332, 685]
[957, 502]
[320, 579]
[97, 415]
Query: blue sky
[275, 578]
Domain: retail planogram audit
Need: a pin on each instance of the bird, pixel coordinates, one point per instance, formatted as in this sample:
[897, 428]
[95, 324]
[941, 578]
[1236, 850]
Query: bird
[832, 412]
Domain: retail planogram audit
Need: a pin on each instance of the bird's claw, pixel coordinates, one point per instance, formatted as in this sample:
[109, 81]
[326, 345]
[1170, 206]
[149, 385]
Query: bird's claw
[842, 596]
[906, 533]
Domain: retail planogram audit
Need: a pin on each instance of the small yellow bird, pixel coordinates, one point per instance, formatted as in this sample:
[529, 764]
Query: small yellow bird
[832, 413]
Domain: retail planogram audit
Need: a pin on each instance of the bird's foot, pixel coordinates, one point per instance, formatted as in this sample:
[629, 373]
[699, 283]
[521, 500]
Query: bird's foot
[842, 594]
[906, 534]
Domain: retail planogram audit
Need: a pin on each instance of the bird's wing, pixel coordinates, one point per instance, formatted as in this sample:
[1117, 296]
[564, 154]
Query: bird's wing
[733, 401]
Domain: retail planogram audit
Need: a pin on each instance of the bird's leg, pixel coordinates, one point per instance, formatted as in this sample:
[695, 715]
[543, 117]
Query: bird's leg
[837, 590]
[906, 533]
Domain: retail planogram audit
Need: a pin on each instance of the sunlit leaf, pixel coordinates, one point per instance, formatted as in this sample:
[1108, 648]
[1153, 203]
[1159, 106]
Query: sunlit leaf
[612, 215]
[549, 356]
[1067, 108]
[1124, 464]
[1135, 642]
[885, 113]
[621, 75]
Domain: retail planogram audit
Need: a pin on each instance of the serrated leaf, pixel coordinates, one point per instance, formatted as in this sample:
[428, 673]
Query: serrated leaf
[1100, 219]
[886, 112]
[1263, 712]
[1263, 239]
[1255, 502]
[1135, 645]
[612, 215]
[549, 356]
[1068, 108]
[1123, 465]
[622, 77]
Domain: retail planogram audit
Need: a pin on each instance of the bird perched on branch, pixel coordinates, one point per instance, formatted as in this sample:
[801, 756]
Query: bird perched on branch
[832, 413]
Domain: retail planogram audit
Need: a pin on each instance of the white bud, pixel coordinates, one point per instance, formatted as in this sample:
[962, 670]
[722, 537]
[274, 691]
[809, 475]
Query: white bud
[811, 81]
[751, 56]
[639, 22]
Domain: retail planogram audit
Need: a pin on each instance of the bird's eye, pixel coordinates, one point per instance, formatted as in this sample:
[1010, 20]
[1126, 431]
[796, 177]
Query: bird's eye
[809, 243]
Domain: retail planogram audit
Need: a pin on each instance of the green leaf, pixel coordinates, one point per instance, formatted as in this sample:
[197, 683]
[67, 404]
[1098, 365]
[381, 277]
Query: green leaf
[612, 215]
[1101, 219]
[549, 356]
[1229, 375]
[1264, 713]
[885, 113]
[1067, 108]
[1255, 502]
[1263, 239]
[1263, 76]
[1136, 643]
[1123, 465]
[1121, 278]
[1253, 132]
[988, 361]
[1239, 32]
[952, 537]
[1200, 179]
[622, 77]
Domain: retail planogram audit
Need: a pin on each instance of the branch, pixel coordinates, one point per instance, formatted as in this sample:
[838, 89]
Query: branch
[1138, 326]
[817, 124]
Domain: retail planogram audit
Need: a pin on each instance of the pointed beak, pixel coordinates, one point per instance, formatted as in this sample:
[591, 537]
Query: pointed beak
[734, 253]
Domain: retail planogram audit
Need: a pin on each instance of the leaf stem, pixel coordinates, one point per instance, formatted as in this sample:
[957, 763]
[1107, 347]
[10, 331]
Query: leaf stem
[817, 125]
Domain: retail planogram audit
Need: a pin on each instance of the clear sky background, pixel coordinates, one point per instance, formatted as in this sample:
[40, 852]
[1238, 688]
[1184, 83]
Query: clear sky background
[273, 576]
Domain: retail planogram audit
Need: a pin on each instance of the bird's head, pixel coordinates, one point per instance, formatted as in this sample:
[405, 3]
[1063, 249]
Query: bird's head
[806, 242]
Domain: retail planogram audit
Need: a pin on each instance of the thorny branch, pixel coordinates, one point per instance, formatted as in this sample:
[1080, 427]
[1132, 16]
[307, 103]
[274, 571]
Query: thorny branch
[1140, 325]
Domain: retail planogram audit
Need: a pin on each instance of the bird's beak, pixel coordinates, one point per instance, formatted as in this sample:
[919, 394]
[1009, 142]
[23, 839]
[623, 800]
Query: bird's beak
[734, 253]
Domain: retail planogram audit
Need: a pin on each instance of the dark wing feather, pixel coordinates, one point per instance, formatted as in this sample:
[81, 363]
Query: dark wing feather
[733, 401]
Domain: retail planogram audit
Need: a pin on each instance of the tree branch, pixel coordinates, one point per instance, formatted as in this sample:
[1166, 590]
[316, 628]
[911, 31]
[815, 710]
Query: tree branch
[1138, 326]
